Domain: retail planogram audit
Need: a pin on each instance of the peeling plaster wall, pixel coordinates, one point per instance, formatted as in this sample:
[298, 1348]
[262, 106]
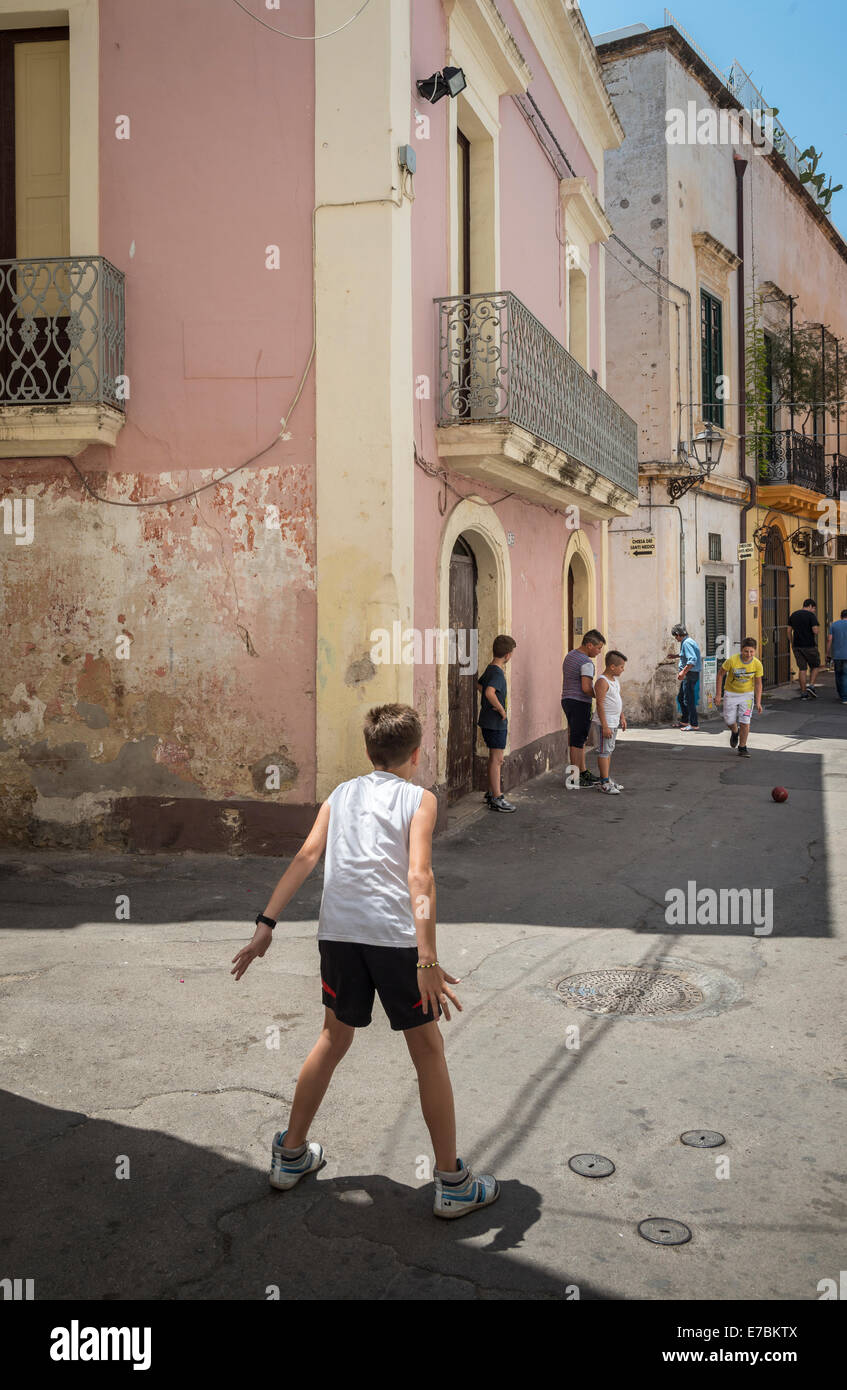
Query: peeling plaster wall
[125, 673]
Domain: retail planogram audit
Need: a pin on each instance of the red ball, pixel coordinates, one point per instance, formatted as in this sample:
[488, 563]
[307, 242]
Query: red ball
[779, 794]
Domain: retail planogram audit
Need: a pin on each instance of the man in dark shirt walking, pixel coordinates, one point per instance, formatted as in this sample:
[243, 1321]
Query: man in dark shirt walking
[804, 639]
[493, 723]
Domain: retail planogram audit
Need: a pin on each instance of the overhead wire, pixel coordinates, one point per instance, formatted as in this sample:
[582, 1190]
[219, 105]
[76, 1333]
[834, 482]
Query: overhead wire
[303, 38]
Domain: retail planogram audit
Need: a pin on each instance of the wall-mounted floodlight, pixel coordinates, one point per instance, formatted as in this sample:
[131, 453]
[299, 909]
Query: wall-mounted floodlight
[447, 83]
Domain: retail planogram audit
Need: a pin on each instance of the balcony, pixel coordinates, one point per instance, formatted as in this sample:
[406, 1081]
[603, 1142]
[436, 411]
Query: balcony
[516, 410]
[61, 355]
[786, 456]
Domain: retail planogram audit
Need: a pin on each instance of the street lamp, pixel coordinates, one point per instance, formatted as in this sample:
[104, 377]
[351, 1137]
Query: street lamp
[706, 450]
[708, 447]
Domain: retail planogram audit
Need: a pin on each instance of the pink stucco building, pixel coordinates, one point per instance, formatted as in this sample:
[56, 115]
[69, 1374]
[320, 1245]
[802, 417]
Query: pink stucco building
[216, 261]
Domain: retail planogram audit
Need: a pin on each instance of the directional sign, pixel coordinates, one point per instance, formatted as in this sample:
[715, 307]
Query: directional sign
[642, 545]
[745, 550]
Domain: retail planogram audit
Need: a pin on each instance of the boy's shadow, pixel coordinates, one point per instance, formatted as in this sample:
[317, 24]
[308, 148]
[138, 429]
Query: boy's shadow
[192, 1223]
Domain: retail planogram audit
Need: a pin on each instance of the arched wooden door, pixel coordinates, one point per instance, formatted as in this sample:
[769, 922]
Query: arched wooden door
[776, 654]
[461, 688]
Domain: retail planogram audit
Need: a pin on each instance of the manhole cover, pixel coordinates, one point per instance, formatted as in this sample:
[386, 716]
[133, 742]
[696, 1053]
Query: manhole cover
[591, 1165]
[662, 1231]
[649, 993]
[702, 1138]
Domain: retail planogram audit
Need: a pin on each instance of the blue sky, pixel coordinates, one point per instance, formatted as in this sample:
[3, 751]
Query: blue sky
[794, 50]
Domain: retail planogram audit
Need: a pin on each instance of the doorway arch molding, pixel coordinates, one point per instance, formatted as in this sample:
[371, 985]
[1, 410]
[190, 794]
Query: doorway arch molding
[476, 521]
[578, 547]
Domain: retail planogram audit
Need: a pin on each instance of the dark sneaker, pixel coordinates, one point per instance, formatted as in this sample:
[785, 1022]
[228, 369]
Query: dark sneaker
[810, 690]
[733, 740]
[499, 803]
[744, 752]
[587, 779]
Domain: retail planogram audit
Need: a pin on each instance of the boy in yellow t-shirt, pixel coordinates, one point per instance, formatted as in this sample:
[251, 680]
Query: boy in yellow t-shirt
[743, 673]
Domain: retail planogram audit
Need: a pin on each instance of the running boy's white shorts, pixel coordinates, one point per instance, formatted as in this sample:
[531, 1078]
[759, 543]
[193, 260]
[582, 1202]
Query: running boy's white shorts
[737, 709]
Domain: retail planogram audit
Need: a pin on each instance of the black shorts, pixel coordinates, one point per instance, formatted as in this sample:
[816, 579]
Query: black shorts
[807, 658]
[494, 738]
[578, 715]
[351, 973]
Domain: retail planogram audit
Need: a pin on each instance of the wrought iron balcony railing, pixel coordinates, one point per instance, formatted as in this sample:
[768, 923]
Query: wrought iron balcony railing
[786, 456]
[61, 331]
[497, 362]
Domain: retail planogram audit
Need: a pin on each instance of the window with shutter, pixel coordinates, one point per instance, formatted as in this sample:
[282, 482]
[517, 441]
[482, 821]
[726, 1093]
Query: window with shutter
[715, 617]
[711, 356]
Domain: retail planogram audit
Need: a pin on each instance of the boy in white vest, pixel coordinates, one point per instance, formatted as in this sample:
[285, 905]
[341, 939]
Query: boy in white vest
[608, 718]
[376, 934]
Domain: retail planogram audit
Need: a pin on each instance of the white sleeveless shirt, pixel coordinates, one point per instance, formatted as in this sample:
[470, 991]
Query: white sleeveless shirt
[366, 868]
[612, 702]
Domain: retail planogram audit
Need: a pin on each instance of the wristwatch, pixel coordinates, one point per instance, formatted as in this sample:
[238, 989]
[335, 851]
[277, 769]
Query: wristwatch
[268, 921]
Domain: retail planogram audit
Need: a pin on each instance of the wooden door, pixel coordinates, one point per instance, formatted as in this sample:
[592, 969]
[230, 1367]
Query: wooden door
[776, 656]
[462, 689]
[34, 210]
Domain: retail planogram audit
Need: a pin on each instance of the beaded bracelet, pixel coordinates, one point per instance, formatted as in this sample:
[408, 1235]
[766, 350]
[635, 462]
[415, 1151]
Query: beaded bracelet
[427, 967]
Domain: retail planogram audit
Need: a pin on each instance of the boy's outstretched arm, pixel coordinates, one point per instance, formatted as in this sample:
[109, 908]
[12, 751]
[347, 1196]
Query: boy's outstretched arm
[294, 877]
[431, 979]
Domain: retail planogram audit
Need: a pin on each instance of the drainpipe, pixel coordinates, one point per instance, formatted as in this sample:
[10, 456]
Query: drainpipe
[740, 168]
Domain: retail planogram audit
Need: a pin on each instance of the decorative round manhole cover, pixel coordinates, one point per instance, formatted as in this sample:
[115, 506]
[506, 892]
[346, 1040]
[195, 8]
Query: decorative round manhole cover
[702, 1138]
[591, 1165]
[649, 993]
[661, 1230]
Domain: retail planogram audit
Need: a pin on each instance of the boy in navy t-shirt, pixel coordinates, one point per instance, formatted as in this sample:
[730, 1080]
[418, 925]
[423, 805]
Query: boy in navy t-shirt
[493, 722]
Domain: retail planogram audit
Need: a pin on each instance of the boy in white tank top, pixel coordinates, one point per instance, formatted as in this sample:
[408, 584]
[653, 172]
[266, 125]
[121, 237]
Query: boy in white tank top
[376, 935]
[608, 718]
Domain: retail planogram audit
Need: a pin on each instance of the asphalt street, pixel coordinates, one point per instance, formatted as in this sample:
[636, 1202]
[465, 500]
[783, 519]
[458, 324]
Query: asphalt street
[142, 1086]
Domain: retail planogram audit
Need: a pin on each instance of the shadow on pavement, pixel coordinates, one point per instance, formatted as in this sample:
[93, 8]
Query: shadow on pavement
[190, 1223]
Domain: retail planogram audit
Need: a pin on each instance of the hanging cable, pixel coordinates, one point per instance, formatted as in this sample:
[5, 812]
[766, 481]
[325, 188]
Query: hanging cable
[304, 38]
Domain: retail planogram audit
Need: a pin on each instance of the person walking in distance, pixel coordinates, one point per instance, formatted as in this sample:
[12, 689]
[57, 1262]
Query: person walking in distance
[577, 695]
[836, 648]
[690, 666]
[743, 672]
[804, 639]
[376, 934]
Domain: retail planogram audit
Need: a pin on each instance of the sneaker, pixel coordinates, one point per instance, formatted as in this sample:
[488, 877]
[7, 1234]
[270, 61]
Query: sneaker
[744, 752]
[499, 803]
[685, 728]
[587, 779]
[733, 739]
[810, 690]
[287, 1172]
[611, 787]
[599, 784]
[461, 1199]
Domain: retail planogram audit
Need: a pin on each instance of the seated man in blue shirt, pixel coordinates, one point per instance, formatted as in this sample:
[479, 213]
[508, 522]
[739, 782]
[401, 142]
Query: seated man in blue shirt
[690, 666]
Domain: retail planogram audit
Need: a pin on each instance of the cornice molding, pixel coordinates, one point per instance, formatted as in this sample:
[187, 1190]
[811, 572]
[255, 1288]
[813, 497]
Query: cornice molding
[490, 31]
[580, 201]
[713, 256]
[573, 46]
